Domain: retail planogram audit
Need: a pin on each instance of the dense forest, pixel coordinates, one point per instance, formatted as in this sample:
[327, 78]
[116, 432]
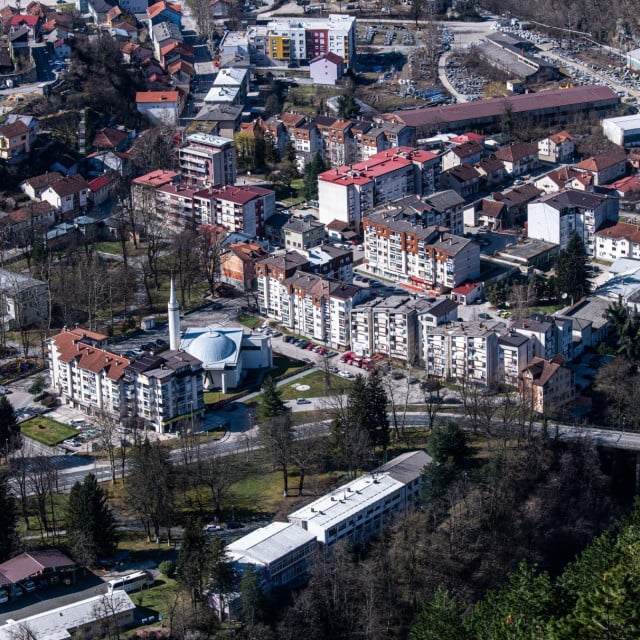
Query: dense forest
[488, 555]
[616, 22]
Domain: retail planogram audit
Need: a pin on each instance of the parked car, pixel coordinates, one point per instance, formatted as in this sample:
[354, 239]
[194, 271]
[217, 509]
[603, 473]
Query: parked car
[434, 399]
[233, 524]
[484, 316]
[303, 401]
[29, 586]
[4, 596]
[211, 528]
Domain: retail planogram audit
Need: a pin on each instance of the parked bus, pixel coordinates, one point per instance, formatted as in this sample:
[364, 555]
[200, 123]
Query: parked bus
[131, 582]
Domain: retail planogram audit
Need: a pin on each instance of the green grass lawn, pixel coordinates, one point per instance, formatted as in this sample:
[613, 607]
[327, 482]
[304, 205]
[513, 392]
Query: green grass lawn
[249, 320]
[317, 388]
[46, 430]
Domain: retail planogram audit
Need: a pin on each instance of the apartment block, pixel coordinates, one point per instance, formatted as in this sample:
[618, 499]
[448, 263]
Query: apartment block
[388, 326]
[515, 351]
[462, 351]
[243, 208]
[349, 192]
[549, 335]
[556, 217]
[164, 391]
[547, 384]
[403, 249]
[292, 39]
[303, 233]
[207, 160]
[622, 240]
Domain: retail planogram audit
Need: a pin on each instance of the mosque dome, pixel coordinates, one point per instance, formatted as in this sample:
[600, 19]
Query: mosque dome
[212, 346]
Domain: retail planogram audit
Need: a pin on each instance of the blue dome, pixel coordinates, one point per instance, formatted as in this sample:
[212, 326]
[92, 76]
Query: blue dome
[211, 347]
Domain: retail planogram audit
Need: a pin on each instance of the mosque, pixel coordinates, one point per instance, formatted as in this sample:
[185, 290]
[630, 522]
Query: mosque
[227, 354]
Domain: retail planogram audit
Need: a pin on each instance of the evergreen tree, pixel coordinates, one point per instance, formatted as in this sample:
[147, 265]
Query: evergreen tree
[348, 106]
[221, 574]
[251, 595]
[90, 523]
[9, 428]
[449, 443]
[8, 520]
[376, 407]
[571, 274]
[440, 618]
[193, 561]
[271, 403]
[311, 172]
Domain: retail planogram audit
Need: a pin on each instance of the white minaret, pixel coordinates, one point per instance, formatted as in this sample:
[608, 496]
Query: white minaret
[173, 309]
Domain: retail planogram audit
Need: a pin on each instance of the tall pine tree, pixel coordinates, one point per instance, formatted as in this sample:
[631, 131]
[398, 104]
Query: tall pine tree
[571, 271]
[8, 520]
[9, 428]
[194, 560]
[376, 403]
[90, 523]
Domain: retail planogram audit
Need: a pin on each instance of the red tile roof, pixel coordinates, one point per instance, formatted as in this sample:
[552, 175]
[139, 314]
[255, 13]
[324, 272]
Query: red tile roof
[629, 232]
[15, 129]
[32, 563]
[102, 181]
[330, 57]
[240, 195]
[157, 8]
[108, 138]
[602, 161]
[146, 97]
[70, 347]
[516, 152]
[30, 21]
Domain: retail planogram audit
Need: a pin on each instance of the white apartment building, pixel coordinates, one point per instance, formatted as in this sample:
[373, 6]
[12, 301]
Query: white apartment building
[349, 192]
[165, 391]
[622, 240]
[388, 326]
[404, 250]
[208, 160]
[358, 510]
[462, 351]
[549, 335]
[292, 39]
[515, 351]
[556, 217]
[243, 208]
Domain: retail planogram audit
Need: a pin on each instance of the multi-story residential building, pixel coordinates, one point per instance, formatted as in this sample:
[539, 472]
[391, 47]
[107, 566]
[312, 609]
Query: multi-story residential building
[514, 354]
[303, 233]
[549, 335]
[243, 208]
[547, 384]
[271, 274]
[558, 147]
[305, 302]
[359, 509]
[405, 250]
[319, 307]
[556, 180]
[462, 351]
[622, 240]
[165, 391]
[330, 261]
[307, 142]
[349, 192]
[556, 217]
[175, 204]
[208, 160]
[292, 39]
[388, 326]
[24, 301]
[238, 265]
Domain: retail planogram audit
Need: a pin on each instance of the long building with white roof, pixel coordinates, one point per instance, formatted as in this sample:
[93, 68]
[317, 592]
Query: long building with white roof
[357, 510]
[80, 619]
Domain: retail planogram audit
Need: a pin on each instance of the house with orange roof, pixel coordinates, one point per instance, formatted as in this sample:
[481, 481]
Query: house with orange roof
[547, 385]
[604, 168]
[161, 107]
[519, 158]
[238, 265]
[14, 141]
[556, 180]
[164, 12]
[558, 147]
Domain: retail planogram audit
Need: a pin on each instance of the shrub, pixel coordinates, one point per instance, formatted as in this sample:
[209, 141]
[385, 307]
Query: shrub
[167, 568]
